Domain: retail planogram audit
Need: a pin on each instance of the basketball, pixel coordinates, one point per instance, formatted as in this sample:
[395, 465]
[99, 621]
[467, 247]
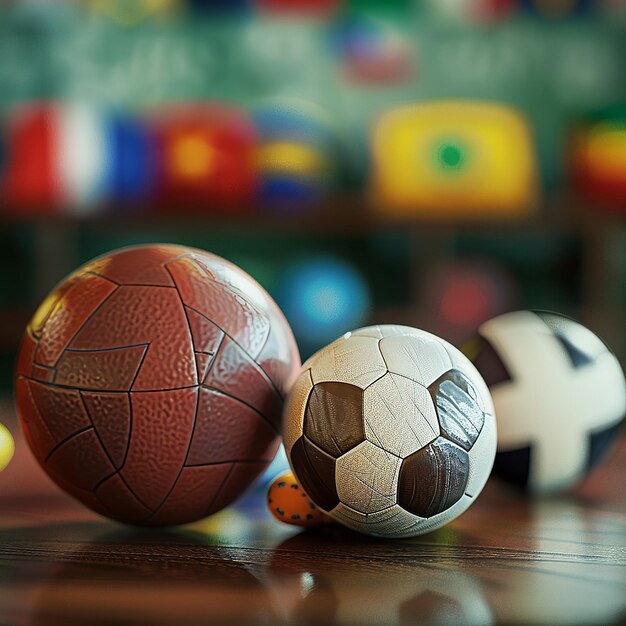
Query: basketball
[150, 383]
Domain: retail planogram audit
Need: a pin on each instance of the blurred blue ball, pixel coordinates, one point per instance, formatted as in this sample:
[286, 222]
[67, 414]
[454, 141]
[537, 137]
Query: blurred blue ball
[322, 299]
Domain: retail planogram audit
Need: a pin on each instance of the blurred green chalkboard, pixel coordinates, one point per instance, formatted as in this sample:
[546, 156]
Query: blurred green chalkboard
[553, 71]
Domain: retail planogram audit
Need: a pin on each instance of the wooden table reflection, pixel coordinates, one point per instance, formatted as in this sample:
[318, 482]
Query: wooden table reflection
[507, 560]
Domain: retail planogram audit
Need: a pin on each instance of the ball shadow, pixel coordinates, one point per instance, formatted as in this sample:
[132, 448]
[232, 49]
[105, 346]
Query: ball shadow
[97, 574]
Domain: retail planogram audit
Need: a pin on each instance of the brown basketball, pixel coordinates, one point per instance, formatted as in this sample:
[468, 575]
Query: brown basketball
[150, 383]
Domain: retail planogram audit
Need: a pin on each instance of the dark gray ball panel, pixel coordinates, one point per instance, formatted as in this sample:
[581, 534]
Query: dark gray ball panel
[460, 416]
[433, 478]
[581, 350]
[600, 443]
[514, 466]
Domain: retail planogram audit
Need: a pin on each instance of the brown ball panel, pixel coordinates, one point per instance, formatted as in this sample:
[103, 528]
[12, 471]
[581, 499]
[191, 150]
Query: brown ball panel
[120, 502]
[26, 356]
[228, 430]
[69, 314]
[63, 410]
[144, 265]
[110, 414]
[316, 471]
[81, 461]
[433, 478]
[280, 371]
[108, 370]
[238, 317]
[460, 416]
[114, 360]
[195, 490]
[334, 417]
[141, 316]
[206, 335]
[37, 434]
[233, 372]
[161, 433]
[239, 478]
[49, 305]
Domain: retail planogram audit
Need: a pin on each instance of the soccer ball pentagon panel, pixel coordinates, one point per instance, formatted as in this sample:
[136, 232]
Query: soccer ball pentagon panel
[390, 430]
[559, 394]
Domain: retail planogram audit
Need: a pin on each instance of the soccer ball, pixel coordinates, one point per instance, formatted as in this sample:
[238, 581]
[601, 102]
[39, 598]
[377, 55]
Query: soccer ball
[559, 394]
[390, 430]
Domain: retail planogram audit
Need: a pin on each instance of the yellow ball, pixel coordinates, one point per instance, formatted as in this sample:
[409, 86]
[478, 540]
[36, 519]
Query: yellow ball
[7, 447]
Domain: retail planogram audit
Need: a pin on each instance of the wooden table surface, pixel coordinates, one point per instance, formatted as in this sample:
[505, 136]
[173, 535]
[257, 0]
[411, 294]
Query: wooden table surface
[507, 560]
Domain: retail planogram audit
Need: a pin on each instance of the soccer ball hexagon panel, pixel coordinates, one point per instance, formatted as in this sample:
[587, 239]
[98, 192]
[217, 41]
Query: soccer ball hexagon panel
[390, 430]
[150, 383]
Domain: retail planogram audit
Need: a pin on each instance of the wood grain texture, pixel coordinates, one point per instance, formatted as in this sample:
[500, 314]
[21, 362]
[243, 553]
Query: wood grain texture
[507, 560]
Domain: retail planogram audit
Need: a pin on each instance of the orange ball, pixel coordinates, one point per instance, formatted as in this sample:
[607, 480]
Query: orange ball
[288, 503]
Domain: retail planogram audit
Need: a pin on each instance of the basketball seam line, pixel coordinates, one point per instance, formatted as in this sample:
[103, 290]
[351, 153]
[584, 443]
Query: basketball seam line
[89, 350]
[85, 321]
[265, 374]
[219, 491]
[117, 470]
[92, 273]
[282, 397]
[61, 443]
[105, 391]
[245, 461]
[182, 304]
[225, 393]
[130, 431]
[34, 404]
[182, 467]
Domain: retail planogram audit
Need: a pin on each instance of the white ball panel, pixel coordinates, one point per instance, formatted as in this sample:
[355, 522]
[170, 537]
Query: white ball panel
[295, 409]
[355, 360]
[607, 405]
[369, 331]
[367, 478]
[390, 522]
[420, 358]
[441, 519]
[399, 415]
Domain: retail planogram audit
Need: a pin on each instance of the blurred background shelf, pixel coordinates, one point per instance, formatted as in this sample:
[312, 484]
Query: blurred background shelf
[134, 110]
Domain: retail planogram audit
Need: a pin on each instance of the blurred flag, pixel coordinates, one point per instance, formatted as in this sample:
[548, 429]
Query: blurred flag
[297, 156]
[598, 159]
[31, 180]
[401, 7]
[219, 6]
[475, 11]
[321, 8]
[453, 159]
[56, 157]
[371, 50]
[132, 12]
[558, 9]
[3, 152]
[206, 157]
[130, 172]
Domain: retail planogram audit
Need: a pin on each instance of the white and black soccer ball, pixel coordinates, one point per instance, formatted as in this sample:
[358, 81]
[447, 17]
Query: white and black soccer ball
[559, 395]
[390, 430]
